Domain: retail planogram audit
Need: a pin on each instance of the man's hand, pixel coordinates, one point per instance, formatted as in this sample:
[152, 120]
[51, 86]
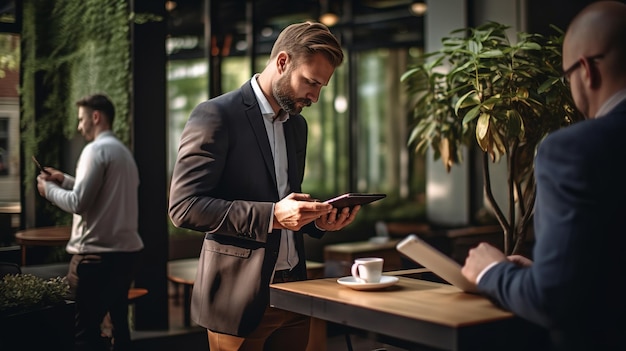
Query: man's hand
[479, 258]
[520, 260]
[53, 176]
[336, 221]
[297, 210]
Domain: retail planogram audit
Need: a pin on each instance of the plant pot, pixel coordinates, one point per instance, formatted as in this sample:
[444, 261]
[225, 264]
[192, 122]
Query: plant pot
[43, 328]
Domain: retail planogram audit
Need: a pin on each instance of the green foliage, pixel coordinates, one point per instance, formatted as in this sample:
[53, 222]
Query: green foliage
[25, 291]
[71, 49]
[496, 90]
[75, 52]
[506, 96]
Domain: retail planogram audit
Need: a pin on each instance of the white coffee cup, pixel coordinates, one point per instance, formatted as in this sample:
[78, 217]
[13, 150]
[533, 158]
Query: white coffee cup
[368, 269]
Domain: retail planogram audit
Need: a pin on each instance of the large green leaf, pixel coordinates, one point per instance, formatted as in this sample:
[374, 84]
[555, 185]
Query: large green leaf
[467, 100]
[491, 53]
[471, 114]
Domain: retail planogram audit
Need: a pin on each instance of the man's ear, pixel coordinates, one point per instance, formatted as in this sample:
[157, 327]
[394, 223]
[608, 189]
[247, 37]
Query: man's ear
[96, 116]
[592, 73]
[282, 60]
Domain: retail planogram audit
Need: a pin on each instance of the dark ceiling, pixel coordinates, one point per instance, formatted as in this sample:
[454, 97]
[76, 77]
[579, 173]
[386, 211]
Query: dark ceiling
[362, 23]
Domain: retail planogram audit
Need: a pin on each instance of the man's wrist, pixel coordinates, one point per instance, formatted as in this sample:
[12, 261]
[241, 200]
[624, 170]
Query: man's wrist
[484, 271]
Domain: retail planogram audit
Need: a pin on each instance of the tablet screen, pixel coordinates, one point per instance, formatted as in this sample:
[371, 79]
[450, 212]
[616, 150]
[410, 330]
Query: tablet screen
[353, 199]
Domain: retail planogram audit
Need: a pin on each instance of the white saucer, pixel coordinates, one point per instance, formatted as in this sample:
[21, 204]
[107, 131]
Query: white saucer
[352, 283]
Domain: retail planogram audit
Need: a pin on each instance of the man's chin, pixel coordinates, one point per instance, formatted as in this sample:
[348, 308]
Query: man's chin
[299, 107]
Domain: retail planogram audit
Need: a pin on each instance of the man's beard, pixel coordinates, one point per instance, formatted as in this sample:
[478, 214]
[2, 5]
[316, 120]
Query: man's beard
[286, 97]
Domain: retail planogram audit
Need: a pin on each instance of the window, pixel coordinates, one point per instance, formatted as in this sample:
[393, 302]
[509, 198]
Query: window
[382, 163]
[4, 146]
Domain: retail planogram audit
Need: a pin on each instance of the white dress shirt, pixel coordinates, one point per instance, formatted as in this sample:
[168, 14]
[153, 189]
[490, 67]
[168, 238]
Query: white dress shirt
[287, 254]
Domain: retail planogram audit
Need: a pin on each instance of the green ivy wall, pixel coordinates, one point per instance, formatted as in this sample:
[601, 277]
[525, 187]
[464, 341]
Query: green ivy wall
[71, 48]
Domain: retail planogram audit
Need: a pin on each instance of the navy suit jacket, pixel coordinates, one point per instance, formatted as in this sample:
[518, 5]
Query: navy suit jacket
[224, 184]
[574, 286]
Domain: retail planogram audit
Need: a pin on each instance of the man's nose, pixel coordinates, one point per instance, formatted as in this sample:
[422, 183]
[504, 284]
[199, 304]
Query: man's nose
[314, 95]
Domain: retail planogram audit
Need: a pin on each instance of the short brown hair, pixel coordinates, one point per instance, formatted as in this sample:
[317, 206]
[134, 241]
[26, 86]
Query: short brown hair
[303, 40]
[98, 102]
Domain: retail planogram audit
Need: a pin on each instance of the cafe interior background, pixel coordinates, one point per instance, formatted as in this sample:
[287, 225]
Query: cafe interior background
[185, 51]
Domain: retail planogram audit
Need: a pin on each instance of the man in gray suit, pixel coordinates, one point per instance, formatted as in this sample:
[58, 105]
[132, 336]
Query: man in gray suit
[579, 261]
[238, 178]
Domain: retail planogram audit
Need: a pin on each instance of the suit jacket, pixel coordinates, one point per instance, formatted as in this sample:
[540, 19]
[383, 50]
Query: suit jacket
[580, 230]
[224, 184]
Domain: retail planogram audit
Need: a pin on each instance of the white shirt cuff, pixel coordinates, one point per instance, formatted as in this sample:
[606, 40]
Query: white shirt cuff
[482, 273]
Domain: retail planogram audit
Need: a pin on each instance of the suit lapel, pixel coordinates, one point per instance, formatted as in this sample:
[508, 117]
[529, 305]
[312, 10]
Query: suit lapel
[258, 127]
[256, 121]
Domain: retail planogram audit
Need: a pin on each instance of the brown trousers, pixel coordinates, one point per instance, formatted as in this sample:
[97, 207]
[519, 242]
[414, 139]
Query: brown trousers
[279, 330]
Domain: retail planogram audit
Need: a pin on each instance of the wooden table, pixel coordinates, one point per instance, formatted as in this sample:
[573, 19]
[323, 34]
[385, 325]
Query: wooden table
[422, 313]
[183, 272]
[42, 236]
[8, 211]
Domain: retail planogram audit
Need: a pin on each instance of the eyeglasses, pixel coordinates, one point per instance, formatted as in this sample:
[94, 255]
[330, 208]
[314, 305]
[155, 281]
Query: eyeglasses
[568, 72]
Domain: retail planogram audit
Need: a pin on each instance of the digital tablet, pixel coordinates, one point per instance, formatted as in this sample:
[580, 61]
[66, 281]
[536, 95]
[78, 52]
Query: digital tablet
[443, 266]
[353, 199]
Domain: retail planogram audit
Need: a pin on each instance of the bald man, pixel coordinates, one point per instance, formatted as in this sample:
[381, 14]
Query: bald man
[573, 287]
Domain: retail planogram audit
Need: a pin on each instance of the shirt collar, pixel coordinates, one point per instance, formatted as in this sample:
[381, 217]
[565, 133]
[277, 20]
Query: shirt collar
[266, 108]
[611, 103]
[103, 134]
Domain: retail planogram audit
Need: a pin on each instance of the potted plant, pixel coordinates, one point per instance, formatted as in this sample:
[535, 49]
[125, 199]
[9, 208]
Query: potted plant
[34, 313]
[507, 96]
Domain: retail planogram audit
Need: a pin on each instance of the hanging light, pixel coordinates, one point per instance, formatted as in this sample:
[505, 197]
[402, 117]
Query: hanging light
[327, 17]
[170, 5]
[418, 7]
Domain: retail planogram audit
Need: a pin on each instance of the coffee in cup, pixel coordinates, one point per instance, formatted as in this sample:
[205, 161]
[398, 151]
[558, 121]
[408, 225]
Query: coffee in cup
[368, 269]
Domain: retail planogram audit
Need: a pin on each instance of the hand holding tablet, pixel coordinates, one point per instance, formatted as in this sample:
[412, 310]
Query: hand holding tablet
[41, 169]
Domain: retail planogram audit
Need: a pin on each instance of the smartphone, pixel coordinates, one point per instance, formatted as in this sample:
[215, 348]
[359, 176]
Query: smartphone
[39, 166]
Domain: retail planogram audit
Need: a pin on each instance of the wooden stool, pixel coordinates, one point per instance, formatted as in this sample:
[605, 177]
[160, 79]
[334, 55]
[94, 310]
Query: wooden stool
[135, 293]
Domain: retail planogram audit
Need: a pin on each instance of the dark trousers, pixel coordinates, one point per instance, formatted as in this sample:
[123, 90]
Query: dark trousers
[99, 284]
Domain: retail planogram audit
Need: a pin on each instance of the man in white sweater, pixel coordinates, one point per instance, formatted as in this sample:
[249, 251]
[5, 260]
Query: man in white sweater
[104, 243]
